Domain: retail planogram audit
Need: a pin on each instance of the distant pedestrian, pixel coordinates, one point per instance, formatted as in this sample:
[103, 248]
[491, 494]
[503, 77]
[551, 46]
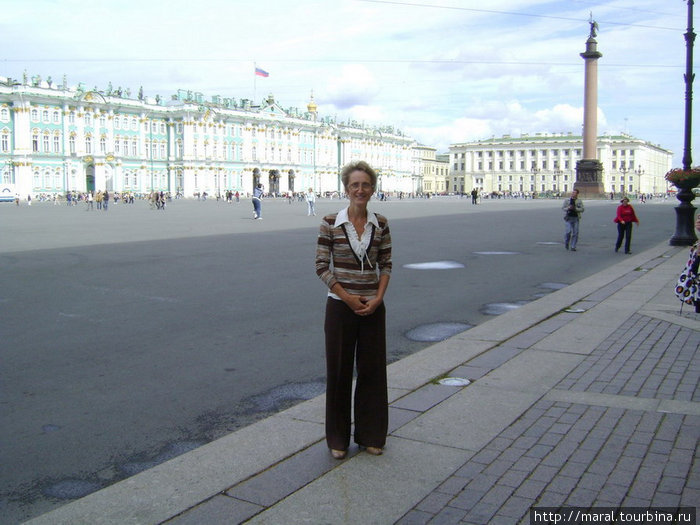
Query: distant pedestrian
[573, 208]
[105, 200]
[257, 201]
[311, 201]
[625, 218]
[90, 201]
[475, 196]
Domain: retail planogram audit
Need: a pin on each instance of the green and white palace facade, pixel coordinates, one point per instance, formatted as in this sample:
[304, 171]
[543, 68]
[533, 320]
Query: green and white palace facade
[55, 139]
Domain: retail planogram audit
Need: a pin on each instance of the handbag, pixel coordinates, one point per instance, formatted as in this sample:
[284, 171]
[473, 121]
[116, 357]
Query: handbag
[688, 285]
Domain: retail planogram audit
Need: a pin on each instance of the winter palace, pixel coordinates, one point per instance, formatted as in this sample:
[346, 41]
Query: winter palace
[55, 139]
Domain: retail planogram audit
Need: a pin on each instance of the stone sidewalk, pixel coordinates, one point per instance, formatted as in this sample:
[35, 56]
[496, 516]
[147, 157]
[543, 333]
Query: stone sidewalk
[587, 396]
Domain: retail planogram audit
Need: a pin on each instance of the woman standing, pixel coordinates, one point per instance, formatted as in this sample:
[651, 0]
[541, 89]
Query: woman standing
[353, 258]
[624, 219]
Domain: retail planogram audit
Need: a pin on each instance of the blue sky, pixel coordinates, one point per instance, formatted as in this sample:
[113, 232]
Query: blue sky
[443, 71]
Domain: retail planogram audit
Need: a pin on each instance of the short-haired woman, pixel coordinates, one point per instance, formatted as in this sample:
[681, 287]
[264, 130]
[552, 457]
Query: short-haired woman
[353, 258]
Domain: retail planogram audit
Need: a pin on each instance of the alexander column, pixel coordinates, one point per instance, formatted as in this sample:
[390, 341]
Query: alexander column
[589, 169]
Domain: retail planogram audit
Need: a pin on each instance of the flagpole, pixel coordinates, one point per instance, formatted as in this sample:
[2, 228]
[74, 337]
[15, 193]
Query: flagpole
[255, 81]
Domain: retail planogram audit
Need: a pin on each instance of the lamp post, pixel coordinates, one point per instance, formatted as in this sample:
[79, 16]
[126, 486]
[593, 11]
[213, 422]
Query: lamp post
[685, 211]
[535, 170]
[639, 171]
[555, 185]
[623, 169]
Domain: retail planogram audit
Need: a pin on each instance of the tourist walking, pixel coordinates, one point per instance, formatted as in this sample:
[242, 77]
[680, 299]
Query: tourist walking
[311, 202]
[573, 208]
[257, 201]
[353, 258]
[624, 218]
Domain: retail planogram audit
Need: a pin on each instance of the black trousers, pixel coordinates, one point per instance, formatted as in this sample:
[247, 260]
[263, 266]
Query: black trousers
[352, 338]
[624, 231]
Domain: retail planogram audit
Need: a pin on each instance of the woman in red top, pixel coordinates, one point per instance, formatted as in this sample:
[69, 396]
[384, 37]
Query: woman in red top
[624, 219]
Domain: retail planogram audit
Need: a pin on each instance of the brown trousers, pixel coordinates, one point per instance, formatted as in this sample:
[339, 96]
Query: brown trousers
[350, 338]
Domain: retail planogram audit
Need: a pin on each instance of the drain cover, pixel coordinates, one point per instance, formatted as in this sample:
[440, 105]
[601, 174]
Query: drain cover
[454, 381]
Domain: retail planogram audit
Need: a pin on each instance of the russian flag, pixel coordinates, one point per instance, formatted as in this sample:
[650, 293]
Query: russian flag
[261, 72]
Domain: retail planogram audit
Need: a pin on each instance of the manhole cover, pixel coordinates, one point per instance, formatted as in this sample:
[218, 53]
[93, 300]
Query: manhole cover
[436, 331]
[499, 308]
[435, 265]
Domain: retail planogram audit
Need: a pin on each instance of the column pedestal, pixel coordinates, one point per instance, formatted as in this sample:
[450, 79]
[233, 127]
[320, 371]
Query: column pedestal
[589, 174]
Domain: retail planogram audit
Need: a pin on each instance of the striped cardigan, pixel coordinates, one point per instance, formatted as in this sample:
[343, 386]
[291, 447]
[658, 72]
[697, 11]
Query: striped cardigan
[336, 262]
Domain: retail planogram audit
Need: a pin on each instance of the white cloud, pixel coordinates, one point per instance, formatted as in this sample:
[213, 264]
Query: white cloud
[353, 86]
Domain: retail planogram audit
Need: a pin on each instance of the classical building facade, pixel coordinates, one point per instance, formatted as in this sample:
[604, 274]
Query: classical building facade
[431, 170]
[545, 163]
[55, 139]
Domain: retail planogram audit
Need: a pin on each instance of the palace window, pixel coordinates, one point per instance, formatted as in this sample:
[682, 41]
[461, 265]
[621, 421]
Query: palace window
[56, 117]
[5, 142]
[37, 179]
[56, 143]
[103, 145]
[162, 151]
[71, 117]
[134, 148]
[116, 146]
[45, 141]
[45, 116]
[35, 115]
[88, 145]
[103, 121]
[71, 144]
[5, 114]
[35, 142]
[88, 119]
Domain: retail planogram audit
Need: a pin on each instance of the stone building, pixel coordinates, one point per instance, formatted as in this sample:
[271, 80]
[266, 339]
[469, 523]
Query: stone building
[545, 163]
[431, 170]
[55, 139]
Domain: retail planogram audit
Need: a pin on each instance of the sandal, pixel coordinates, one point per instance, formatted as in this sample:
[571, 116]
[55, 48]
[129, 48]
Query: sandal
[339, 454]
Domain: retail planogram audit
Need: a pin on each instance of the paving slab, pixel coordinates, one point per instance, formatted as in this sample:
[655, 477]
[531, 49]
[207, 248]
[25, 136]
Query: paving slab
[532, 371]
[469, 419]
[355, 492]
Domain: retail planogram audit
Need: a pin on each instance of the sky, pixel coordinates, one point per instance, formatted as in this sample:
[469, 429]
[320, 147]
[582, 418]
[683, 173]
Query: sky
[441, 71]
